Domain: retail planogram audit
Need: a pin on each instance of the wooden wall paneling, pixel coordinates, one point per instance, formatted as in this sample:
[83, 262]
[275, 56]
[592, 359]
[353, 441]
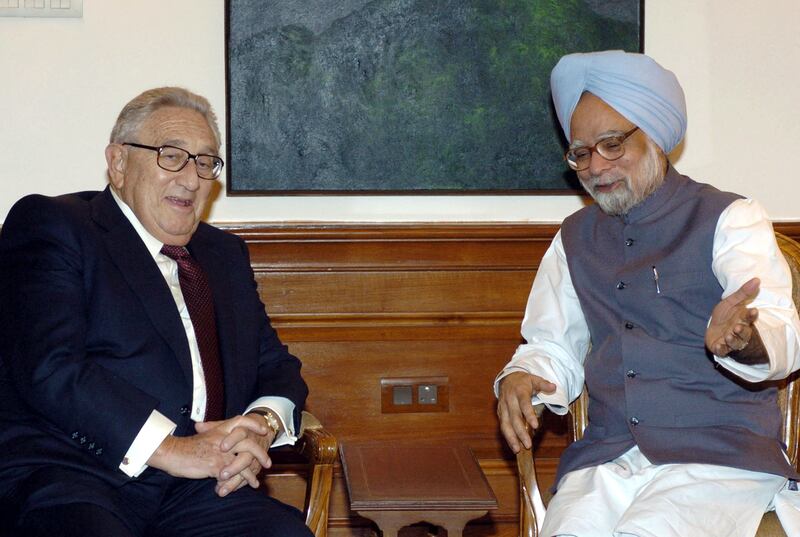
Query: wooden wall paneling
[395, 291]
[361, 302]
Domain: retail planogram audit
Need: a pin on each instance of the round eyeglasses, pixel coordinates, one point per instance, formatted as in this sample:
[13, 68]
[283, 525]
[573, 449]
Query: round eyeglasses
[610, 148]
[174, 159]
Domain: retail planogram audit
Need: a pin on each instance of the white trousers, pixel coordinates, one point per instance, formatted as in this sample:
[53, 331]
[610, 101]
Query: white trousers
[631, 497]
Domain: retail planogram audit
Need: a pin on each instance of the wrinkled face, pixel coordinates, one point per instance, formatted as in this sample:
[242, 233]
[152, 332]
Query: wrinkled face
[168, 204]
[616, 185]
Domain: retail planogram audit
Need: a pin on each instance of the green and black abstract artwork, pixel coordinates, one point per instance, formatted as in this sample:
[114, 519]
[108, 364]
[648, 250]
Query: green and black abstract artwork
[405, 96]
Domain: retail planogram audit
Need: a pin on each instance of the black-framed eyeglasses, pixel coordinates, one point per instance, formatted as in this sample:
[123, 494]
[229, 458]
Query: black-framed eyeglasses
[174, 159]
[610, 148]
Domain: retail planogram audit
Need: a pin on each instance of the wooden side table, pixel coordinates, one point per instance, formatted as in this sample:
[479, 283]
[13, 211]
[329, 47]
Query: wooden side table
[399, 483]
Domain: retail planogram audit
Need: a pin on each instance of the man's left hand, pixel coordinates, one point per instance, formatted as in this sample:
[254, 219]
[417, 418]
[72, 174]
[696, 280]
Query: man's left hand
[249, 439]
[732, 331]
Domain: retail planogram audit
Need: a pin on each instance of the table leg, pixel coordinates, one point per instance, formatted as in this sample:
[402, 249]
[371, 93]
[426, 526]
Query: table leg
[390, 522]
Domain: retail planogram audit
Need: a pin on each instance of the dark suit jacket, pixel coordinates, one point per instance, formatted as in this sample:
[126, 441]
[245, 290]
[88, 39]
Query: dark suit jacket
[91, 341]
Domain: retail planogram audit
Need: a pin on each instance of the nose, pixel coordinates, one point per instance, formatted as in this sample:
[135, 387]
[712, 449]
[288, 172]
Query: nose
[187, 177]
[598, 164]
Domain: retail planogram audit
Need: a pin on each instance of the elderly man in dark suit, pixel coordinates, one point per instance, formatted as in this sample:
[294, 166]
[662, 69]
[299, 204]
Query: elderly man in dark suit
[141, 384]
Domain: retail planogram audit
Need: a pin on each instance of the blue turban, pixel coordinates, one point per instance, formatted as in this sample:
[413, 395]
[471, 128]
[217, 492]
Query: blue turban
[633, 84]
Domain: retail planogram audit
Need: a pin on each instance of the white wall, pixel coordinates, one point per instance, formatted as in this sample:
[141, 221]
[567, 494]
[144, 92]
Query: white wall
[64, 81]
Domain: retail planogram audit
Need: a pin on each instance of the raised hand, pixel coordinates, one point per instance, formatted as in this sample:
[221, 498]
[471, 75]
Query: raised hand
[731, 331]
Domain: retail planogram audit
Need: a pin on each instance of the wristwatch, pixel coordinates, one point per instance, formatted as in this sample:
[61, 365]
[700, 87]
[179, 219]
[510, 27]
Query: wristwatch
[269, 417]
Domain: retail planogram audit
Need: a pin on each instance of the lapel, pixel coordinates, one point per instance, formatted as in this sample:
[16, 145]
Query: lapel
[135, 263]
[212, 257]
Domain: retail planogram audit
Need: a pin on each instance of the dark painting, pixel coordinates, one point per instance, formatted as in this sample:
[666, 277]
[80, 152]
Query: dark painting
[428, 96]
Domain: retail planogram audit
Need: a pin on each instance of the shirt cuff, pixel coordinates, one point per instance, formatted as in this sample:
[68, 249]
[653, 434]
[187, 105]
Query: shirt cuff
[153, 432]
[781, 342]
[284, 409]
[556, 402]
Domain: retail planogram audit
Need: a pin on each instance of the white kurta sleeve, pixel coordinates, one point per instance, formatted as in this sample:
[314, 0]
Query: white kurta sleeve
[555, 331]
[744, 248]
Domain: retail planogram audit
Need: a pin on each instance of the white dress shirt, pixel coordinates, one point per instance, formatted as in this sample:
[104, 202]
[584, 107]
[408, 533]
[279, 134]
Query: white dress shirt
[158, 427]
[557, 336]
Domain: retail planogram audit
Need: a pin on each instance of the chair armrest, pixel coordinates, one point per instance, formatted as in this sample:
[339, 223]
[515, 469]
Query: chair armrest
[320, 449]
[531, 506]
[316, 444]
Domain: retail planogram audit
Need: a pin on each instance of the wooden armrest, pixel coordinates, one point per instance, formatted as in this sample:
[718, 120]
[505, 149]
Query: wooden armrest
[531, 509]
[316, 444]
[320, 449]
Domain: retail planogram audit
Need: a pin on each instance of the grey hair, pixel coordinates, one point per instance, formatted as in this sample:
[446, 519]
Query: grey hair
[140, 107]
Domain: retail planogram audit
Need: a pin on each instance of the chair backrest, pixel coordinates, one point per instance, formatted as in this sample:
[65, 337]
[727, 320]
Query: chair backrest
[788, 389]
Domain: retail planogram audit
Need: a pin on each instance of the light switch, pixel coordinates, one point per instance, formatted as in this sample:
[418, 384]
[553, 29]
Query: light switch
[402, 395]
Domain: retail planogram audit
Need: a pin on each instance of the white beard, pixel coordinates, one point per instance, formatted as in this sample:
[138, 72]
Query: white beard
[630, 193]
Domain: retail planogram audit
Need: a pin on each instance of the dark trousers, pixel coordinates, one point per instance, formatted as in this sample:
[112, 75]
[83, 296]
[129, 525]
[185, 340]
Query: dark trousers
[65, 502]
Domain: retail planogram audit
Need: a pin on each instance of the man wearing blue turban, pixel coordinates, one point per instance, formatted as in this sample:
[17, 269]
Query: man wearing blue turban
[671, 302]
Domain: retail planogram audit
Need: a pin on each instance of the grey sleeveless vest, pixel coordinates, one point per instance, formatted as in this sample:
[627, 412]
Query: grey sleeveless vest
[651, 381]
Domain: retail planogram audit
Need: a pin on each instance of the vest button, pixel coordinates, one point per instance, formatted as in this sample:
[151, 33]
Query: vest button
[185, 410]
[621, 285]
[634, 421]
[629, 325]
[630, 373]
[629, 242]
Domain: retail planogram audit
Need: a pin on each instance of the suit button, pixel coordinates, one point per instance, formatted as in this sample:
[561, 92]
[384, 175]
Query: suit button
[629, 242]
[75, 435]
[82, 440]
[634, 421]
[621, 285]
[629, 325]
[98, 451]
[90, 446]
[630, 373]
[185, 410]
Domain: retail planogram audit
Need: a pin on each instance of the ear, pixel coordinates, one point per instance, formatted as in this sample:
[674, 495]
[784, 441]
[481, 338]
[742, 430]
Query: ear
[117, 161]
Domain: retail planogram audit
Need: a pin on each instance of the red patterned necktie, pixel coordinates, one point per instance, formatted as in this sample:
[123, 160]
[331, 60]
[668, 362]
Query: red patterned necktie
[197, 294]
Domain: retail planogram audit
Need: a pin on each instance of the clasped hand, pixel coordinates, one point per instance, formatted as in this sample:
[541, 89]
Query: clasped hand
[232, 451]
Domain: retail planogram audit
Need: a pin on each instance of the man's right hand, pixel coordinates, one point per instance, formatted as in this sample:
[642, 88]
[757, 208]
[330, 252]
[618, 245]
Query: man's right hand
[201, 455]
[515, 410]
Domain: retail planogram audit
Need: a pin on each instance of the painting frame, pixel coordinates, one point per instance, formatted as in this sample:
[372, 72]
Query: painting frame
[286, 181]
